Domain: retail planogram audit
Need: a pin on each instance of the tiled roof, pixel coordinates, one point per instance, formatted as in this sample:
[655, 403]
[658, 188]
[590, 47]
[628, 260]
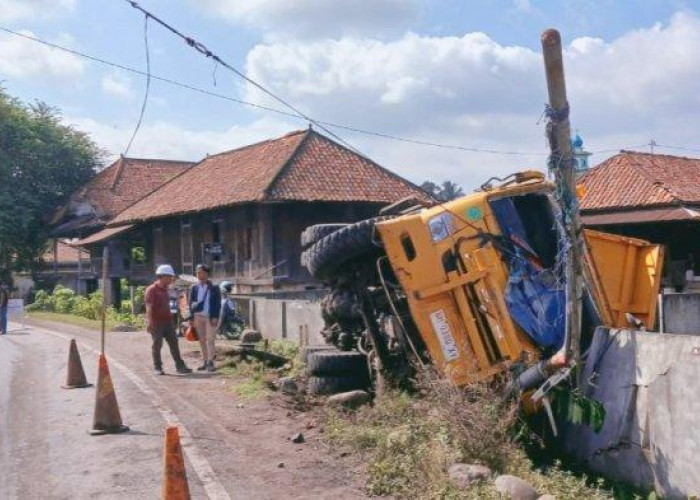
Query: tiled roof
[632, 180]
[66, 253]
[113, 189]
[300, 166]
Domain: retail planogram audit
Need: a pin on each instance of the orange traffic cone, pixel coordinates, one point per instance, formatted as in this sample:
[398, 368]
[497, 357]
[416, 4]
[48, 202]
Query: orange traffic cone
[107, 418]
[174, 475]
[76, 375]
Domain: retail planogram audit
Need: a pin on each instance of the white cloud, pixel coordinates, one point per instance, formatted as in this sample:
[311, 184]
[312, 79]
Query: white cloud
[16, 10]
[468, 90]
[117, 83]
[316, 18]
[167, 140]
[401, 84]
[22, 58]
[474, 91]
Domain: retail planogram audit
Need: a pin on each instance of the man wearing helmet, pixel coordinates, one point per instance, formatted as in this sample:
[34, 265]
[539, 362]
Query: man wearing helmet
[159, 320]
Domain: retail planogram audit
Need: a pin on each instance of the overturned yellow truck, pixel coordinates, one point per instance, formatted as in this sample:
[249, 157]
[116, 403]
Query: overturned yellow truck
[476, 285]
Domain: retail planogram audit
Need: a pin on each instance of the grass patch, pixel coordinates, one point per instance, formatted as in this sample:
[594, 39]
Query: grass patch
[92, 324]
[253, 380]
[408, 442]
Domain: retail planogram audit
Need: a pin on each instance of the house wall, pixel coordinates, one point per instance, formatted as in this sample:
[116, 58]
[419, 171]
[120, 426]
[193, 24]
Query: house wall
[261, 242]
[294, 218]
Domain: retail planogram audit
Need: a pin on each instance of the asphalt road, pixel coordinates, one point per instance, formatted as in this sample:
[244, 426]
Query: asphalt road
[232, 450]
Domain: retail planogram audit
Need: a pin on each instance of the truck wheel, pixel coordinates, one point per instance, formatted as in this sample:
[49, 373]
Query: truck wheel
[307, 351]
[332, 252]
[334, 385]
[337, 363]
[314, 233]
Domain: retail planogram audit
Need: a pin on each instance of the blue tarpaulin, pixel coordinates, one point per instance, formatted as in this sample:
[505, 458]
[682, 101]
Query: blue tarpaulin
[537, 302]
[535, 297]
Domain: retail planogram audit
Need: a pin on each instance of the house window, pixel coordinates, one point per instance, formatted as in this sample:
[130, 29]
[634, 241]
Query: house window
[186, 242]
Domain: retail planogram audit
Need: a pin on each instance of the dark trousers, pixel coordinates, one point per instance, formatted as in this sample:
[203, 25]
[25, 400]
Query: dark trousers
[166, 332]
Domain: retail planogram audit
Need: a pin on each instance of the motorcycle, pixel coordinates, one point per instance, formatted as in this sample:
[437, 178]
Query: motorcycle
[231, 323]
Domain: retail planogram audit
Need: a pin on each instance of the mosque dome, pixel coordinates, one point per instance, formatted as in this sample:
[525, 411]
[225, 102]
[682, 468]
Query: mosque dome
[577, 141]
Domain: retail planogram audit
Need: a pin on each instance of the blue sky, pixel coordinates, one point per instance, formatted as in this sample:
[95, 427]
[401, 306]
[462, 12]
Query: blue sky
[454, 72]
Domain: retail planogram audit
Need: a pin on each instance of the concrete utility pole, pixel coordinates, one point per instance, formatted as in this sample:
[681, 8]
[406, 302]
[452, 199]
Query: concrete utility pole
[562, 165]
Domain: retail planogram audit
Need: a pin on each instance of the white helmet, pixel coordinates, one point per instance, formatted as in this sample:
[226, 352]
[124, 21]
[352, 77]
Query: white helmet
[165, 270]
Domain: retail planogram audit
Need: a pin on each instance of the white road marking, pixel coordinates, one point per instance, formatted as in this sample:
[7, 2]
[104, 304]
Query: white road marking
[206, 475]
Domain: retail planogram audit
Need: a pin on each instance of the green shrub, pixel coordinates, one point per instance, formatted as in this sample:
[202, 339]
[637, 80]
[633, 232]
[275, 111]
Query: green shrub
[43, 301]
[65, 301]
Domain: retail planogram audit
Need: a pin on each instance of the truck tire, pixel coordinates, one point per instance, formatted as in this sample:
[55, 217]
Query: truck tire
[314, 233]
[308, 350]
[337, 364]
[331, 253]
[334, 385]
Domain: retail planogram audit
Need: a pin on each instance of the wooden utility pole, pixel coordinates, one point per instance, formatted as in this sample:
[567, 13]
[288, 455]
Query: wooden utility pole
[105, 289]
[562, 165]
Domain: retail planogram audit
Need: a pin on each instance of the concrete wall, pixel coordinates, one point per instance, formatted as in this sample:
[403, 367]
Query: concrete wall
[648, 383]
[284, 318]
[682, 313]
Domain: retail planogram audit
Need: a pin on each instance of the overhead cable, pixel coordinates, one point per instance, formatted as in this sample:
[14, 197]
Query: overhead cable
[287, 114]
[148, 87]
[202, 49]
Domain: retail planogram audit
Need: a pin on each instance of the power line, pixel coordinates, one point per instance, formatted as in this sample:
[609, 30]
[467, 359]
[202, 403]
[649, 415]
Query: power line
[287, 114]
[148, 86]
[236, 100]
[202, 49]
[680, 148]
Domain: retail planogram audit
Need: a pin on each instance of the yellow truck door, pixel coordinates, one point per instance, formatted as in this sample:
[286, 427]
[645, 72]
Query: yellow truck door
[629, 271]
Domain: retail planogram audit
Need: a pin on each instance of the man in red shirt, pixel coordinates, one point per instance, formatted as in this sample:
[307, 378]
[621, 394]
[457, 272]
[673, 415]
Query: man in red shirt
[159, 320]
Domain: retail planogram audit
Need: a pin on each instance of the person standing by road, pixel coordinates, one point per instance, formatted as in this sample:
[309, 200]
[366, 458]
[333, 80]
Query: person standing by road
[205, 305]
[4, 300]
[159, 320]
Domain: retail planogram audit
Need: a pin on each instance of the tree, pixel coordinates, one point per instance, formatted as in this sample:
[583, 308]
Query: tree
[42, 161]
[449, 191]
[446, 191]
[431, 188]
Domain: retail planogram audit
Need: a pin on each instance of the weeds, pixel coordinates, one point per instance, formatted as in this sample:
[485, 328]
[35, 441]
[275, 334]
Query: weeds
[253, 379]
[408, 443]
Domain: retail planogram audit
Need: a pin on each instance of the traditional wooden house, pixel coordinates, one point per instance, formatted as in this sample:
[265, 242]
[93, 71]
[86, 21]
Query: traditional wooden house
[243, 211]
[651, 196]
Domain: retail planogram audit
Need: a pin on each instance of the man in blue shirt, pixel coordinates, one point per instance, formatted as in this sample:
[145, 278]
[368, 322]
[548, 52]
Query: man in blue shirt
[4, 300]
[205, 305]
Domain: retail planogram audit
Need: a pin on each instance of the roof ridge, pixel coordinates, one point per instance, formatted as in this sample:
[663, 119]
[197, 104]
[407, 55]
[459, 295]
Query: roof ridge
[290, 159]
[629, 151]
[248, 146]
[149, 194]
[151, 160]
[375, 164]
[120, 164]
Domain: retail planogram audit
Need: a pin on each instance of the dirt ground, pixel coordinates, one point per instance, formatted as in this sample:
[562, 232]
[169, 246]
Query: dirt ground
[245, 444]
